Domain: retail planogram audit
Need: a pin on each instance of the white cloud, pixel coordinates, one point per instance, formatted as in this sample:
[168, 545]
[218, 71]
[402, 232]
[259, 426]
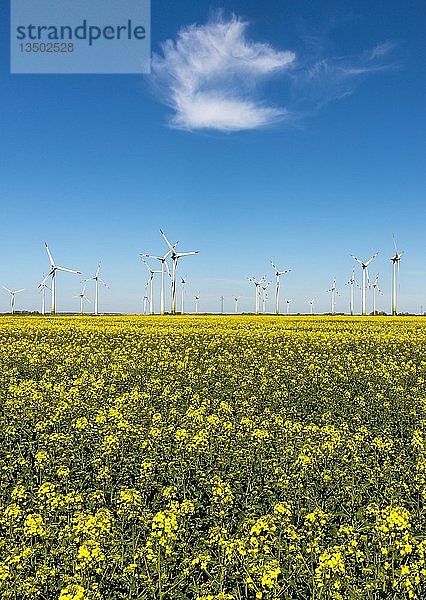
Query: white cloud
[210, 74]
[323, 79]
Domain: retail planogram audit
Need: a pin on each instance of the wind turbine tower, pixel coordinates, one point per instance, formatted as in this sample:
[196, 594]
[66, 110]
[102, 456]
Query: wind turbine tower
[278, 274]
[175, 259]
[375, 288]
[43, 288]
[364, 265]
[52, 274]
[236, 298]
[150, 284]
[12, 297]
[257, 284]
[164, 267]
[333, 291]
[395, 271]
[82, 296]
[97, 280]
[351, 283]
[145, 303]
[264, 289]
[182, 300]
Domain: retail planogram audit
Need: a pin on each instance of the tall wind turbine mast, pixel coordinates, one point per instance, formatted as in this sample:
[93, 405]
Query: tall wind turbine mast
[375, 287]
[164, 267]
[182, 299]
[351, 283]
[12, 297]
[257, 284]
[97, 280]
[82, 296]
[395, 271]
[265, 296]
[277, 286]
[145, 302]
[196, 299]
[52, 275]
[175, 259]
[311, 303]
[333, 291]
[236, 298]
[150, 284]
[43, 287]
[145, 299]
[364, 265]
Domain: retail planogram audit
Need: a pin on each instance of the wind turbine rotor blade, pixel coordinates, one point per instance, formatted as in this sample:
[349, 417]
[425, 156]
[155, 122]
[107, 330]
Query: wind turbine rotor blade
[43, 282]
[52, 262]
[357, 259]
[167, 241]
[7, 289]
[394, 244]
[146, 264]
[371, 259]
[103, 282]
[17, 291]
[68, 270]
[179, 254]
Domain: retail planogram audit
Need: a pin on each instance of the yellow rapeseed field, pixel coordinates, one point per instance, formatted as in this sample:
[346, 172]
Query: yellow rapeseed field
[212, 458]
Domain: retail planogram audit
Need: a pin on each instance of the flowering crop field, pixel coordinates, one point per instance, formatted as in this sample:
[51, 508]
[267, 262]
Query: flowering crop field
[212, 458]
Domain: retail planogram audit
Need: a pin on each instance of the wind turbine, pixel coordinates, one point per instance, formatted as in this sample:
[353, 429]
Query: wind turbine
[52, 274]
[43, 288]
[222, 300]
[364, 265]
[145, 302]
[82, 296]
[150, 284]
[277, 286]
[265, 296]
[97, 280]
[311, 303]
[395, 268]
[183, 283]
[288, 302]
[12, 297]
[236, 298]
[196, 298]
[352, 281]
[164, 266]
[257, 284]
[375, 287]
[334, 292]
[175, 259]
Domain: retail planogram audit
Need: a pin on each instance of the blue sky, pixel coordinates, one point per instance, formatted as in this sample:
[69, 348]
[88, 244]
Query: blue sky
[288, 130]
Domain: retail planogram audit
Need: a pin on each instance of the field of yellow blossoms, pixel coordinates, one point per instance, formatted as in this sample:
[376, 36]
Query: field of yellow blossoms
[212, 458]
